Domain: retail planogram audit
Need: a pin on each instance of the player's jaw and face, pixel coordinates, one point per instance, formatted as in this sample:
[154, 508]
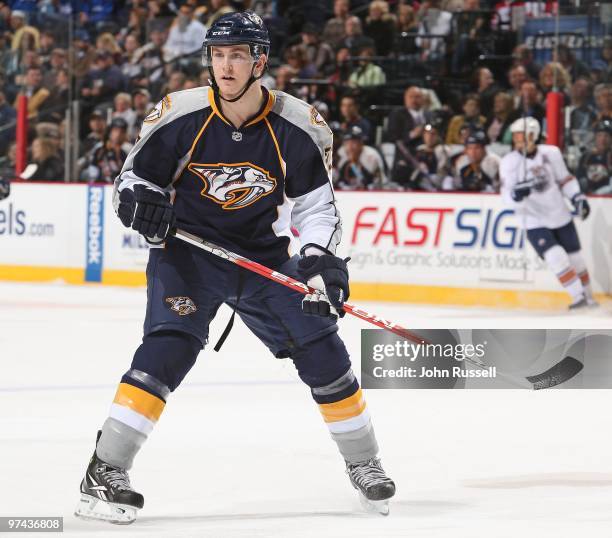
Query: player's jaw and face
[518, 140]
[232, 66]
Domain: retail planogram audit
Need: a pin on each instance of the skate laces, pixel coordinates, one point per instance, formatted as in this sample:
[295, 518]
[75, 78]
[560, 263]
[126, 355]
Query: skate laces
[116, 478]
[367, 473]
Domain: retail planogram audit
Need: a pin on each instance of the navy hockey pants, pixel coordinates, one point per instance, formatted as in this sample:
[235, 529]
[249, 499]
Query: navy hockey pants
[185, 288]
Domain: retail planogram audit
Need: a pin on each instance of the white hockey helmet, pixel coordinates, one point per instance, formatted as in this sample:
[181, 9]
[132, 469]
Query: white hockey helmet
[528, 126]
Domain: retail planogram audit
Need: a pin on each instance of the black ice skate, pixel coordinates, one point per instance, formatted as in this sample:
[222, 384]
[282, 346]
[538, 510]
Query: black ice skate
[579, 305]
[374, 486]
[106, 494]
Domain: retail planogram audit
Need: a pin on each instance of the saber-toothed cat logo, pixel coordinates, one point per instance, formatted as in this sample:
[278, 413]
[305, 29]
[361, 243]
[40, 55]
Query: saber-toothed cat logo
[183, 305]
[234, 185]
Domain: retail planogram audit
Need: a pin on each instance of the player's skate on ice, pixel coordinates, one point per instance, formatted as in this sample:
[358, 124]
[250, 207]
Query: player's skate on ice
[374, 486]
[106, 494]
[238, 165]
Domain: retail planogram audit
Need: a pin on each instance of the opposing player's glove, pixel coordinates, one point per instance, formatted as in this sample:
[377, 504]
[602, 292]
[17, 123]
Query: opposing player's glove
[328, 274]
[520, 191]
[147, 211]
[581, 206]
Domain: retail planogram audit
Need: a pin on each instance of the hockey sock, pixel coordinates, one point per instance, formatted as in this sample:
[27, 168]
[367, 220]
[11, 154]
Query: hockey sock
[579, 266]
[158, 367]
[559, 263]
[344, 411]
[133, 415]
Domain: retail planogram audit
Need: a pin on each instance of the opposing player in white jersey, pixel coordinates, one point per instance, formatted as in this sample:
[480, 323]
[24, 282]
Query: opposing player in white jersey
[535, 183]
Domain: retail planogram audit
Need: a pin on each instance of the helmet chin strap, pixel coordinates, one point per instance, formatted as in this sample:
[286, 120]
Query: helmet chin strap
[215, 86]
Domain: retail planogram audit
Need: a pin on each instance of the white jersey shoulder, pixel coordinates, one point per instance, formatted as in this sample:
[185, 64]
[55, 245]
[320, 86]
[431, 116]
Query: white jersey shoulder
[173, 106]
[304, 116]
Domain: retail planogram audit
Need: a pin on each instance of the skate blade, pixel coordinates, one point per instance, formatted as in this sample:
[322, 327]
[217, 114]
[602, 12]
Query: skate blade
[374, 507]
[96, 509]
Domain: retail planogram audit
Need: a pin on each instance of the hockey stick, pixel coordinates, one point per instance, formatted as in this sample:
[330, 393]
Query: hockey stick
[559, 373]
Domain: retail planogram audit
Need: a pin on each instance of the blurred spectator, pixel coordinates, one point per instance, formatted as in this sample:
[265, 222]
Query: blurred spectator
[429, 168]
[123, 109]
[97, 128]
[595, 169]
[58, 59]
[131, 70]
[523, 55]
[47, 44]
[406, 124]
[436, 22]
[174, 83]
[296, 57]
[23, 33]
[8, 161]
[367, 74]
[333, 32]
[108, 156]
[516, 76]
[582, 115]
[360, 166]
[498, 122]
[217, 9]
[46, 164]
[7, 124]
[354, 39]
[606, 55]
[603, 101]
[150, 59]
[34, 91]
[485, 86]
[574, 67]
[406, 24]
[471, 116]
[103, 82]
[141, 101]
[340, 75]
[107, 42]
[470, 27]
[477, 170]
[318, 53]
[554, 76]
[186, 34]
[95, 12]
[350, 117]
[82, 56]
[530, 103]
[54, 107]
[284, 74]
[380, 27]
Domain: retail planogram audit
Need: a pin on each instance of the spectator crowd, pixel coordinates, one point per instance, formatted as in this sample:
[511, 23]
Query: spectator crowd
[406, 86]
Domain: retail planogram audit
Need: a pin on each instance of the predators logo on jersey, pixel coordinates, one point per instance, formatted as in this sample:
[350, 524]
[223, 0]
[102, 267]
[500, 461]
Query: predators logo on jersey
[159, 109]
[234, 186]
[183, 305]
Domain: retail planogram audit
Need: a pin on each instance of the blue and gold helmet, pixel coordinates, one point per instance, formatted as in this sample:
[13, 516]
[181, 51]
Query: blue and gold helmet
[243, 28]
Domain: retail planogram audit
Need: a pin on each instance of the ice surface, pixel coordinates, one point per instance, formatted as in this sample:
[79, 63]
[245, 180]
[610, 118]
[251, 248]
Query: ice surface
[241, 450]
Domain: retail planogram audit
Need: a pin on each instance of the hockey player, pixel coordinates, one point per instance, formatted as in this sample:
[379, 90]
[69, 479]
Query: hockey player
[534, 182]
[238, 165]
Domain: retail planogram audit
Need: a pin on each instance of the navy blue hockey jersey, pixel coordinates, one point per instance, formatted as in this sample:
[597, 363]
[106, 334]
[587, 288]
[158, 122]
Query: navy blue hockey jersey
[242, 188]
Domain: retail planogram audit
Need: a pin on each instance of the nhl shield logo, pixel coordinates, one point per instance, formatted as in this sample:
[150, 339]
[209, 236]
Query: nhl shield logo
[183, 305]
[236, 136]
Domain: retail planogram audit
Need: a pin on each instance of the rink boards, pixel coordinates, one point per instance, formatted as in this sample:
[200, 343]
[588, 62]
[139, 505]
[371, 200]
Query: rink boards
[440, 248]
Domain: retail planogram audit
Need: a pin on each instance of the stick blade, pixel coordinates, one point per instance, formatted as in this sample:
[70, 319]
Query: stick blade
[561, 372]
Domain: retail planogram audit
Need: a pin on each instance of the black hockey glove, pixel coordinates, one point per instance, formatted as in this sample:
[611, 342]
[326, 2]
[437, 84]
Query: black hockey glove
[328, 274]
[581, 206]
[520, 191]
[147, 211]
